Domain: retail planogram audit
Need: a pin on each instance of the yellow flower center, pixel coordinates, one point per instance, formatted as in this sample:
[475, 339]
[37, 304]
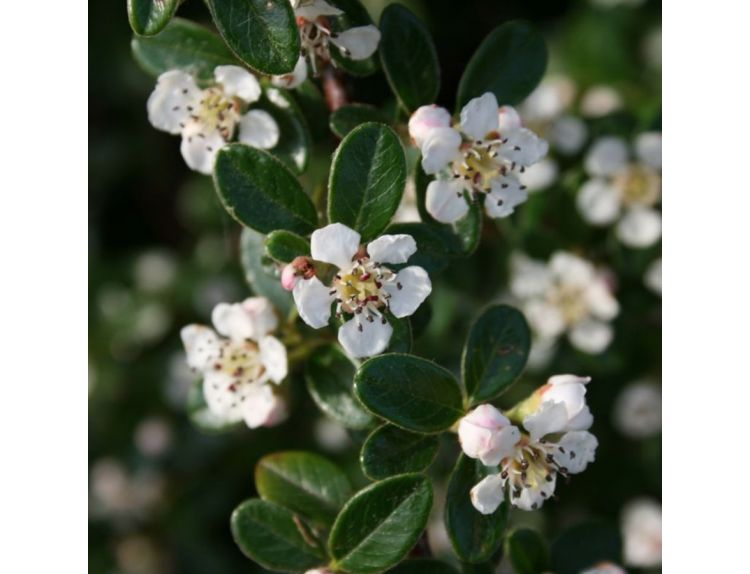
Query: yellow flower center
[639, 185]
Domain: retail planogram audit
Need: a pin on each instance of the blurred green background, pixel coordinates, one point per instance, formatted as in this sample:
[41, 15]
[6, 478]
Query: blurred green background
[163, 252]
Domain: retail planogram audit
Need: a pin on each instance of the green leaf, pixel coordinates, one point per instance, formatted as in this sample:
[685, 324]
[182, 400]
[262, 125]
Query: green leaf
[390, 450]
[284, 246]
[423, 566]
[527, 551]
[273, 537]
[262, 277]
[367, 180]
[380, 524]
[293, 147]
[474, 536]
[435, 245]
[467, 230]
[329, 374]
[260, 192]
[401, 339]
[355, 14]
[149, 17]
[495, 352]
[510, 62]
[185, 46]
[314, 108]
[303, 482]
[200, 415]
[410, 392]
[585, 545]
[348, 117]
[263, 33]
[409, 58]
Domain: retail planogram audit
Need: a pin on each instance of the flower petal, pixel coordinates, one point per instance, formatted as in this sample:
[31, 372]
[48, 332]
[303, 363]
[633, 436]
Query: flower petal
[652, 278]
[314, 9]
[640, 227]
[293, 79]
[439, 149]
[607, 155]
[591, 336]
[313, 302]
[546, 319]
[258, 129]
[508, 120]
[415, 286]
[262, 407]
[578, 450]
[480, 116]
[502, 445]
[533, 498]
[550, 417]
[273, 357]
[238, 82]
[541, 175]
[357, 43]
[600, 301]
[201, 346]
[250, 319]
[598, 202]
[371, 340]
[529, 278]
[336, 244]
[199, 147]
[524, 147]
[488, 493]
[392, 248]
[505, 195]
[568, 134]
[648, 149]
[167, 105]
[445, 201]
[425, 119]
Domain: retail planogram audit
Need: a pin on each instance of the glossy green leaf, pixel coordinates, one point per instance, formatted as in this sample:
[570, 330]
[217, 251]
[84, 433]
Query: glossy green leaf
[263, 33]
[527, 551]
[410, 392]
[262, 275]
[585, 545]
[329, 375]
[390, 450]
[260, 192]
[272, 536]
[435, 245]
[509, 62]
[284, 246]
[200, 415]
[314, 107]
[293, 147]
[495, 352]
[348, 117]
[355, 14]
[367, 180]
[149, 17]
[303, 482]
[474, 536]
[423, 566]
[409, 57]
[185, 46]
[380, 524]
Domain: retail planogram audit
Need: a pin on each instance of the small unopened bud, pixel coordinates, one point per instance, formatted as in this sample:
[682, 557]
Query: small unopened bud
[289, 277]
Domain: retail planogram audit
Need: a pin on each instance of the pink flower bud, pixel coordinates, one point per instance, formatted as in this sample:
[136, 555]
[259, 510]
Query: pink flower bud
[289, 277]
[485, 433]
[425, 119]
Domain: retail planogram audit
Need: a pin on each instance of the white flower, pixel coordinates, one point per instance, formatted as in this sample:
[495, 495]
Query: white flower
[485, 433]
[530, 472]
[478, 158]
[600, 101]
[622, 190]
[604, 568]
[652, 278]
[560, 406]
[316, 37]
[208, 118]
[566, 295]
[641, 532]
[363, 288]
[238, 360]
[637, 410]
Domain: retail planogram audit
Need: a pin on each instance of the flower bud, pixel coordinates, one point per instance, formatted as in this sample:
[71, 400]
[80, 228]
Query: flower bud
[425, 119]
[288, 277]
[485, 433]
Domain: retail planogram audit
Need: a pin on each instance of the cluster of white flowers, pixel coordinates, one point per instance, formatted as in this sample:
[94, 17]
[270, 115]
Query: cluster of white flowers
[556, 441]
[567, 295]
[363, 287]
[238, 361]
[209, 118]
[316, 37]
[480, 157]
[624, 191]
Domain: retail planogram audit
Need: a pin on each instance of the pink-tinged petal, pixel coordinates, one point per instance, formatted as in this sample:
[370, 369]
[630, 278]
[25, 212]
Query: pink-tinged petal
[508, 120]
[289, 277]
[425, 119]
